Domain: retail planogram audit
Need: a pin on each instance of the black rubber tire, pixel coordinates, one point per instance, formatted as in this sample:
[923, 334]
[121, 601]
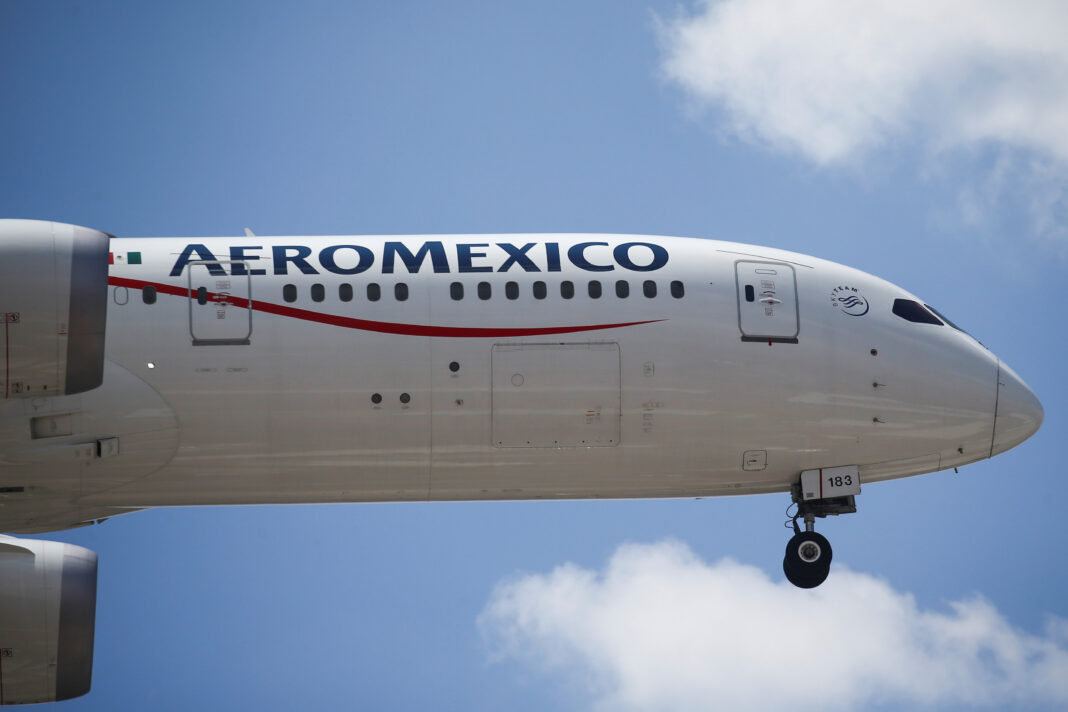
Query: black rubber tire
[802, 573]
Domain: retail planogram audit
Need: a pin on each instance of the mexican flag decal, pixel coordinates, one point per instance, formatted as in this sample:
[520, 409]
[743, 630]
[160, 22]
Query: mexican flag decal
[130, 258]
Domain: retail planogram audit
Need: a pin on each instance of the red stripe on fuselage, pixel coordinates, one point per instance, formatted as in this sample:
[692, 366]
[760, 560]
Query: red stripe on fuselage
[382, 327]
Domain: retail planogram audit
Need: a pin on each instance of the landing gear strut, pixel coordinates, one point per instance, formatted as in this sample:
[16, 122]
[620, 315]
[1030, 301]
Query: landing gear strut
[808, 553]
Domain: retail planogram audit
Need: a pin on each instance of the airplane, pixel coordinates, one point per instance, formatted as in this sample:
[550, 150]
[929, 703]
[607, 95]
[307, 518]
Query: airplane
[159, 372]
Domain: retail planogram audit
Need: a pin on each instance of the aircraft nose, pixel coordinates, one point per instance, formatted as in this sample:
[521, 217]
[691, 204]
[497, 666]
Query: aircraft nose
[1019, 414]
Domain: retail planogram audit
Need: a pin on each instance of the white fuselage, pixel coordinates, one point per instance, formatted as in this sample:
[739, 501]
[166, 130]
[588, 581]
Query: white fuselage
[265, 370]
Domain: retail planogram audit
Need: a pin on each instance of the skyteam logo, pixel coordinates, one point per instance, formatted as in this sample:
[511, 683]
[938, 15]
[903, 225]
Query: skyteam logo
[849, 300]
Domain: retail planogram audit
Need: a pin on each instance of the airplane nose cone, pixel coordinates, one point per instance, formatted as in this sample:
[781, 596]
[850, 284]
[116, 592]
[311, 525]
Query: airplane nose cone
[1019, 414]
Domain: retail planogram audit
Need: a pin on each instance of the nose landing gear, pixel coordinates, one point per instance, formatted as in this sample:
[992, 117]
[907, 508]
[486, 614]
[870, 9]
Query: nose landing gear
[808, 553]
[808, 559]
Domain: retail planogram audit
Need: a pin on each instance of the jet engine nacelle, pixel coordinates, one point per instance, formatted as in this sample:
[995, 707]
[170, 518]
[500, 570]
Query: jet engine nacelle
[47, 616]
[53, 308]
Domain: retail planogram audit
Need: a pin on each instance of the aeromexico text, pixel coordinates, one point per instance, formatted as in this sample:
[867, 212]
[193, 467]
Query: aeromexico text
[465, 257]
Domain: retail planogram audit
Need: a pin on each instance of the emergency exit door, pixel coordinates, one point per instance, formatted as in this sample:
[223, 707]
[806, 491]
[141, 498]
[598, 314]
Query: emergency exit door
[220, 303]
[767, 301]
[8, 321]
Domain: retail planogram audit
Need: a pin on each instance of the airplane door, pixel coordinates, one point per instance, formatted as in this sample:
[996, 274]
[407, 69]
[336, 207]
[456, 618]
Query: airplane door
[767, 301]
[7, 319]
[220, 304]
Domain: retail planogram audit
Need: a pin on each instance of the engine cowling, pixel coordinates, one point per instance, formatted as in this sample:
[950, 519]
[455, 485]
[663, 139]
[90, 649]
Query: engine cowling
[47, 619]
[53, 308]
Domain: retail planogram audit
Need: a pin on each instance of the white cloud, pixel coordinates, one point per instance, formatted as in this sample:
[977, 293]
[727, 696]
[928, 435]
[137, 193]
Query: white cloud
[833, 79]
[836, 81]
[659, 629]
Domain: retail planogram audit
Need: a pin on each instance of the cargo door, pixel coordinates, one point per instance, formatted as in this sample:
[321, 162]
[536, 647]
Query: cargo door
[220, 312]
[767, 301]
[556, 395]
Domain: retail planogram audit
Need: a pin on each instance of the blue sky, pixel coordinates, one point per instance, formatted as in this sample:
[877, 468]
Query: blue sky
[922, 142]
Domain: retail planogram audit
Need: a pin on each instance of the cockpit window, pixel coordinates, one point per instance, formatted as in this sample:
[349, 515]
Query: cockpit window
[915, 312]
[942, 316]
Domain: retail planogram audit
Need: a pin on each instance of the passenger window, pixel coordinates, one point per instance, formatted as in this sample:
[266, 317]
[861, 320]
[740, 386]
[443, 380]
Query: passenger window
[594, 289]
[649, 288]
[374, 292]
[400, 291]
[202, 295]
[289, 292]
[622, 289]
[511, 290]
[914, 312]
[750, 293]
[677, 290]
[318, 292]
[484, 291]
[344, 292]
[540, 291]
[567, 289]
[456, 291]
[148, 295]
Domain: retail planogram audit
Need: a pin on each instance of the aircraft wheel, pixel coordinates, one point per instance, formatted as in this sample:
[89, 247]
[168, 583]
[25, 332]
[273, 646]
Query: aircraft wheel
[808, 559]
